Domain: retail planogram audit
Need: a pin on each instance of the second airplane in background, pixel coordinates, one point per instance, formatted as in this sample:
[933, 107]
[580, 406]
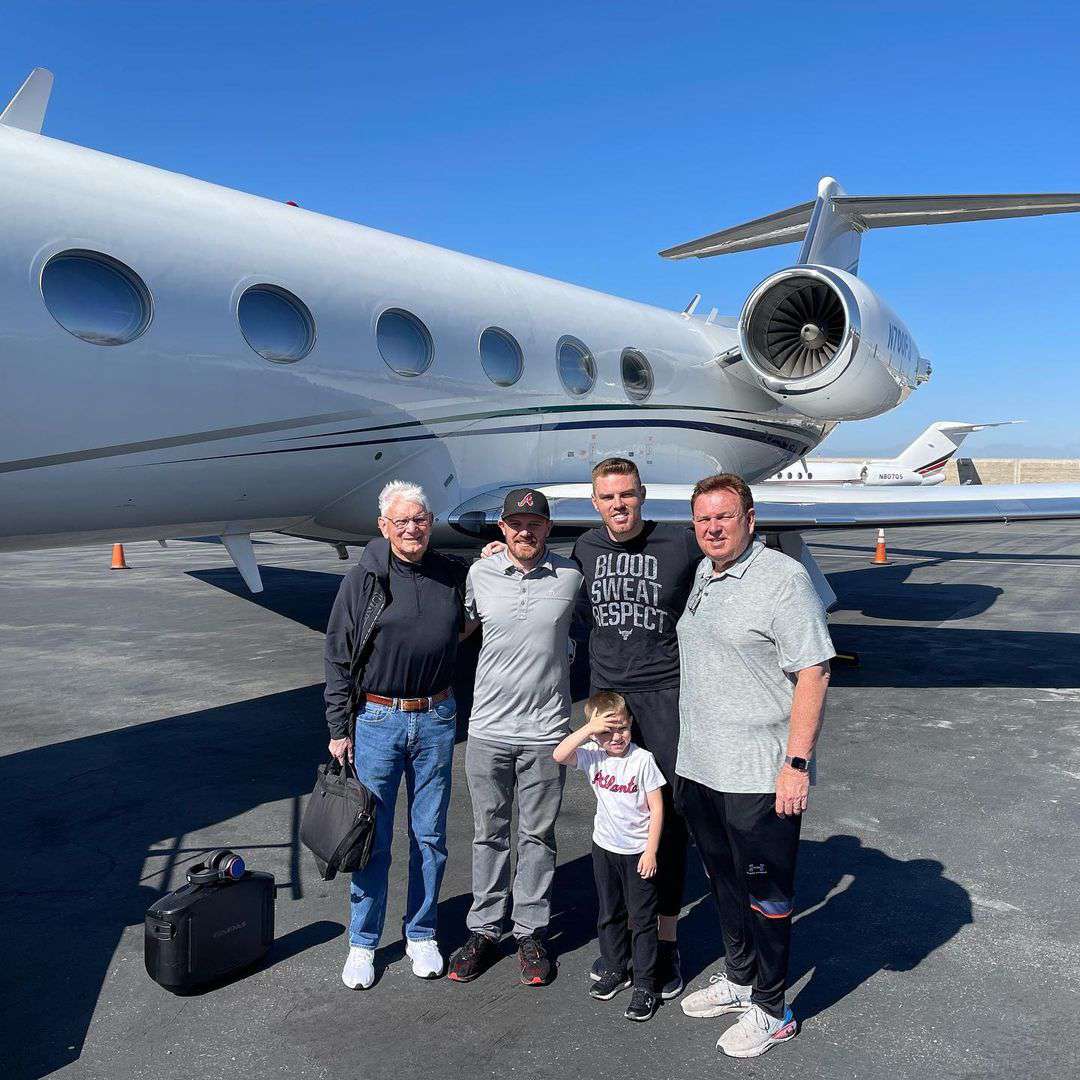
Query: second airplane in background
[920, 465]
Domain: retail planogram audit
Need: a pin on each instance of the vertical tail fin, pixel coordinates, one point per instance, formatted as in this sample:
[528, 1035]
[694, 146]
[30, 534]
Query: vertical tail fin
[929, 453]
[833, 235]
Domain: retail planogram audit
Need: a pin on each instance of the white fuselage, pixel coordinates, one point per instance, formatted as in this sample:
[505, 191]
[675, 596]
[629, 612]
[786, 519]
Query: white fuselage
[187, 430]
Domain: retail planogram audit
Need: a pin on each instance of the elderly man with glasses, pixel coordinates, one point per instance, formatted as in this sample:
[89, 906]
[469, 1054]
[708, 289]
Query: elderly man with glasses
[391, 648]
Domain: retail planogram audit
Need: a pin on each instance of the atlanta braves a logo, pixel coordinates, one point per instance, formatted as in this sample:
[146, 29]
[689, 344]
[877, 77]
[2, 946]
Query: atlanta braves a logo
[526, 500]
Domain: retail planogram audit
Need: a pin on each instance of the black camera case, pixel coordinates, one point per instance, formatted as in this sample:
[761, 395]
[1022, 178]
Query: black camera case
[220, 922]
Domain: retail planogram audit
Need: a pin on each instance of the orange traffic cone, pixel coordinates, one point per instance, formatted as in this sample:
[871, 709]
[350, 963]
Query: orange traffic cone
[880, 558]
[118, 558]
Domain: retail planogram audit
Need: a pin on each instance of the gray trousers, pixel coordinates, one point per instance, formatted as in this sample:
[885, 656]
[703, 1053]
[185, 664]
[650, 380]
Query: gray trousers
[495, 771]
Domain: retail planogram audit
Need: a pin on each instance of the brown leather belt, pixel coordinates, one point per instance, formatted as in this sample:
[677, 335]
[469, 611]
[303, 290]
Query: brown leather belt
[409, 704]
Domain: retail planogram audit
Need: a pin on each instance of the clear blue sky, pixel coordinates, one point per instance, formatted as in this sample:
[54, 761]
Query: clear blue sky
[577, 139]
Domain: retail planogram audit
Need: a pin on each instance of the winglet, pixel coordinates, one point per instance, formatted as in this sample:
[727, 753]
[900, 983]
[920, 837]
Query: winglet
[26, 110]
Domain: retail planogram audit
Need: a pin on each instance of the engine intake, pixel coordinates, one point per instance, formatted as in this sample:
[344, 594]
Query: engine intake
[797, 327]
[820, 340]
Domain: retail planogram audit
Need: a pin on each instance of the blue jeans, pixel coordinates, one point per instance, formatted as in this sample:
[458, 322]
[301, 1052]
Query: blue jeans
[419, 745]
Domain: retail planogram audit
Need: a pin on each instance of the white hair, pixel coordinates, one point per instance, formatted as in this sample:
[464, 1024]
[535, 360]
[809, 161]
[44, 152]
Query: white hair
[401, 490]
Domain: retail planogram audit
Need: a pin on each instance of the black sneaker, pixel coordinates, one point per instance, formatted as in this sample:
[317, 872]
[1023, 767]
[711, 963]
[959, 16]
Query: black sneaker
[669, 970]
[473, 958]
[643, 1005]
[596, 972]
[608, 985]
[535, 963]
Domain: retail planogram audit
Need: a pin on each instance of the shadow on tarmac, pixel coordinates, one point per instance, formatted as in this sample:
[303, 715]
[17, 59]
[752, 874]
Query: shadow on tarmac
[89, 816]
[94, 828]
[884, 592]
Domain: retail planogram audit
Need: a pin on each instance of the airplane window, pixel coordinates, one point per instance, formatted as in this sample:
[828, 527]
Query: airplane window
[789, 476]
[577, 369]
[95, 297]
[404, 342]
[809, 476]
[500, 356]
[276, 324]
[637, 375]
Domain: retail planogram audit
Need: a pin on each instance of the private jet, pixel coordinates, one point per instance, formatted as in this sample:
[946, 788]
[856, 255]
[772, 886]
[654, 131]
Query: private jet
[921, 464]
[181, 359]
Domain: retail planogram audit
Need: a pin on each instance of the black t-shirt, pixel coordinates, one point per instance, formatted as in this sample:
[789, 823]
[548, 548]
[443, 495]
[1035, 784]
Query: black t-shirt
[636, 592]
[415, 642]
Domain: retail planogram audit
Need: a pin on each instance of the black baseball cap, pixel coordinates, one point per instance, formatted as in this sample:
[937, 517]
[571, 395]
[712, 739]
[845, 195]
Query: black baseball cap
[526, 501]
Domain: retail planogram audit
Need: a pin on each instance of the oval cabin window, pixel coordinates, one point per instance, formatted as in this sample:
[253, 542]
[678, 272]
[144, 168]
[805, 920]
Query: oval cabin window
[577, 369]
[500, 357]
[276, 324]
[95, 298]
[637, 375]
[404, 342]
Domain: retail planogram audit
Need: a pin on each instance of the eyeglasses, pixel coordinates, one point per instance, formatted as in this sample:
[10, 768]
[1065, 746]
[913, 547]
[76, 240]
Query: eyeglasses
[421, 521]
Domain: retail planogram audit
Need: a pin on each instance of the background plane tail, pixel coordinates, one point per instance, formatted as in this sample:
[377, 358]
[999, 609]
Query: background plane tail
[930, 452]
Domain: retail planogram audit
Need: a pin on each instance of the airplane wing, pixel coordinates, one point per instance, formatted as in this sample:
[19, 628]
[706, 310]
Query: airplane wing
[808, 506]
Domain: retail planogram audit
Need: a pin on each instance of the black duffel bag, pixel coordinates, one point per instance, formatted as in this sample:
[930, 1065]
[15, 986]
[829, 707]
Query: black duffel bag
[338, 826]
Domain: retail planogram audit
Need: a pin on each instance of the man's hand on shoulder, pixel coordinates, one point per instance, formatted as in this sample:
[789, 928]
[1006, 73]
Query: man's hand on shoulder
[792, 790]
[496, 547]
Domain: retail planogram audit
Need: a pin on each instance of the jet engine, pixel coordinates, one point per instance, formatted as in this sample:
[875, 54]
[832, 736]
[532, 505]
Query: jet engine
[824, 343]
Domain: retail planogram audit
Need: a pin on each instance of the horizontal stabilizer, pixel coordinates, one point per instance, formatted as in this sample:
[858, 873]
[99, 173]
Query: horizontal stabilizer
[858, 213]
[26, 110]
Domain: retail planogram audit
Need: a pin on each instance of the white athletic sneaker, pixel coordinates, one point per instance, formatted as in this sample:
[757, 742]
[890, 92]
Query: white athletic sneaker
[755, 1032]
[359, 970]
[427, 961]
[719, 997]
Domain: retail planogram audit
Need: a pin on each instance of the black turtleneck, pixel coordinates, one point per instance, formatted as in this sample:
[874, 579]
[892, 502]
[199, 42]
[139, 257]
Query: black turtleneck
[415, 643]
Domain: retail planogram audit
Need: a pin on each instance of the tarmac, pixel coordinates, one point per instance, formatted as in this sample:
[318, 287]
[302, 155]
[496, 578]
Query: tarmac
[151, 714]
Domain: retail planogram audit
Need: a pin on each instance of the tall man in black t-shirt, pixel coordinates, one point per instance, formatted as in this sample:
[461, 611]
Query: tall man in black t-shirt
[638, 575]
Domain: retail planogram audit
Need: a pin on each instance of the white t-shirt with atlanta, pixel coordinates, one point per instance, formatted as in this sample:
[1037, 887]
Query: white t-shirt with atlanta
[621, 785]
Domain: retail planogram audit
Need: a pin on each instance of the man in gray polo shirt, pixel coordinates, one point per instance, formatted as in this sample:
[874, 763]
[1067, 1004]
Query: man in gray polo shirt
[524, 599]
[754, 653]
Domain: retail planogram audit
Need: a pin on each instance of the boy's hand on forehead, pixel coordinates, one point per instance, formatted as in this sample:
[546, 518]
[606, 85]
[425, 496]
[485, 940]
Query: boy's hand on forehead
[603, 723]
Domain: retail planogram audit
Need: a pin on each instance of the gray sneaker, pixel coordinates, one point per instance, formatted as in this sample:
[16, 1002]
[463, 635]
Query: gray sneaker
[719, 997]
[755, 1032]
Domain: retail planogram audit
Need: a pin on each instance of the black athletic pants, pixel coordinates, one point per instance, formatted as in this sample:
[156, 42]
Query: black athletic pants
[655, 728]
[625, 896]
[749, 854]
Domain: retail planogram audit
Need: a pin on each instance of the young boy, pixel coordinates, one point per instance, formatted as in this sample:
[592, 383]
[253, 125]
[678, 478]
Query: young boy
[626, 834]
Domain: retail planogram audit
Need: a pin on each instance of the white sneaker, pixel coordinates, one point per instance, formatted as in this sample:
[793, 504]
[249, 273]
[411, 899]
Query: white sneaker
[427, 961]
[719, 997]
[359, 970]
[755, 1032]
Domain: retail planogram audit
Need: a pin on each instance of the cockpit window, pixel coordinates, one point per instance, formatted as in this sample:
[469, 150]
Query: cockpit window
[276, 324]
[95, 297]
[500, 357]
[404, 342]
[577, 369]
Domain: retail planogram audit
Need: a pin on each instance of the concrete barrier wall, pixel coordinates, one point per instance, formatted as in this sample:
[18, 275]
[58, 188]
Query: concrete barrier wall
[1013, 470]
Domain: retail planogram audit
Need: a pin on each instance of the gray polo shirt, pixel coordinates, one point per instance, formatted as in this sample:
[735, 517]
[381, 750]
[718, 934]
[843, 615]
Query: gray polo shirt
[743, 636]
[522, 691]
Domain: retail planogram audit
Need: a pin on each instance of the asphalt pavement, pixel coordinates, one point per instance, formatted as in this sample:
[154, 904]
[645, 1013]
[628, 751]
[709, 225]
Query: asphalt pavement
[151, 714]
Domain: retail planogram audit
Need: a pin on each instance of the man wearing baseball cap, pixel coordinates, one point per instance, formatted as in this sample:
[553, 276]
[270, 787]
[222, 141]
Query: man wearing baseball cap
[524, 599]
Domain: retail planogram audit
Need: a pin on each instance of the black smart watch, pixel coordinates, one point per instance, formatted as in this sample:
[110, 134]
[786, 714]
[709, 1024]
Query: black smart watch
[799, 764]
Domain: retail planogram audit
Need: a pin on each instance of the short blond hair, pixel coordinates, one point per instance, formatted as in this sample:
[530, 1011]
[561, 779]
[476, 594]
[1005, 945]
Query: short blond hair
[604, 703]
